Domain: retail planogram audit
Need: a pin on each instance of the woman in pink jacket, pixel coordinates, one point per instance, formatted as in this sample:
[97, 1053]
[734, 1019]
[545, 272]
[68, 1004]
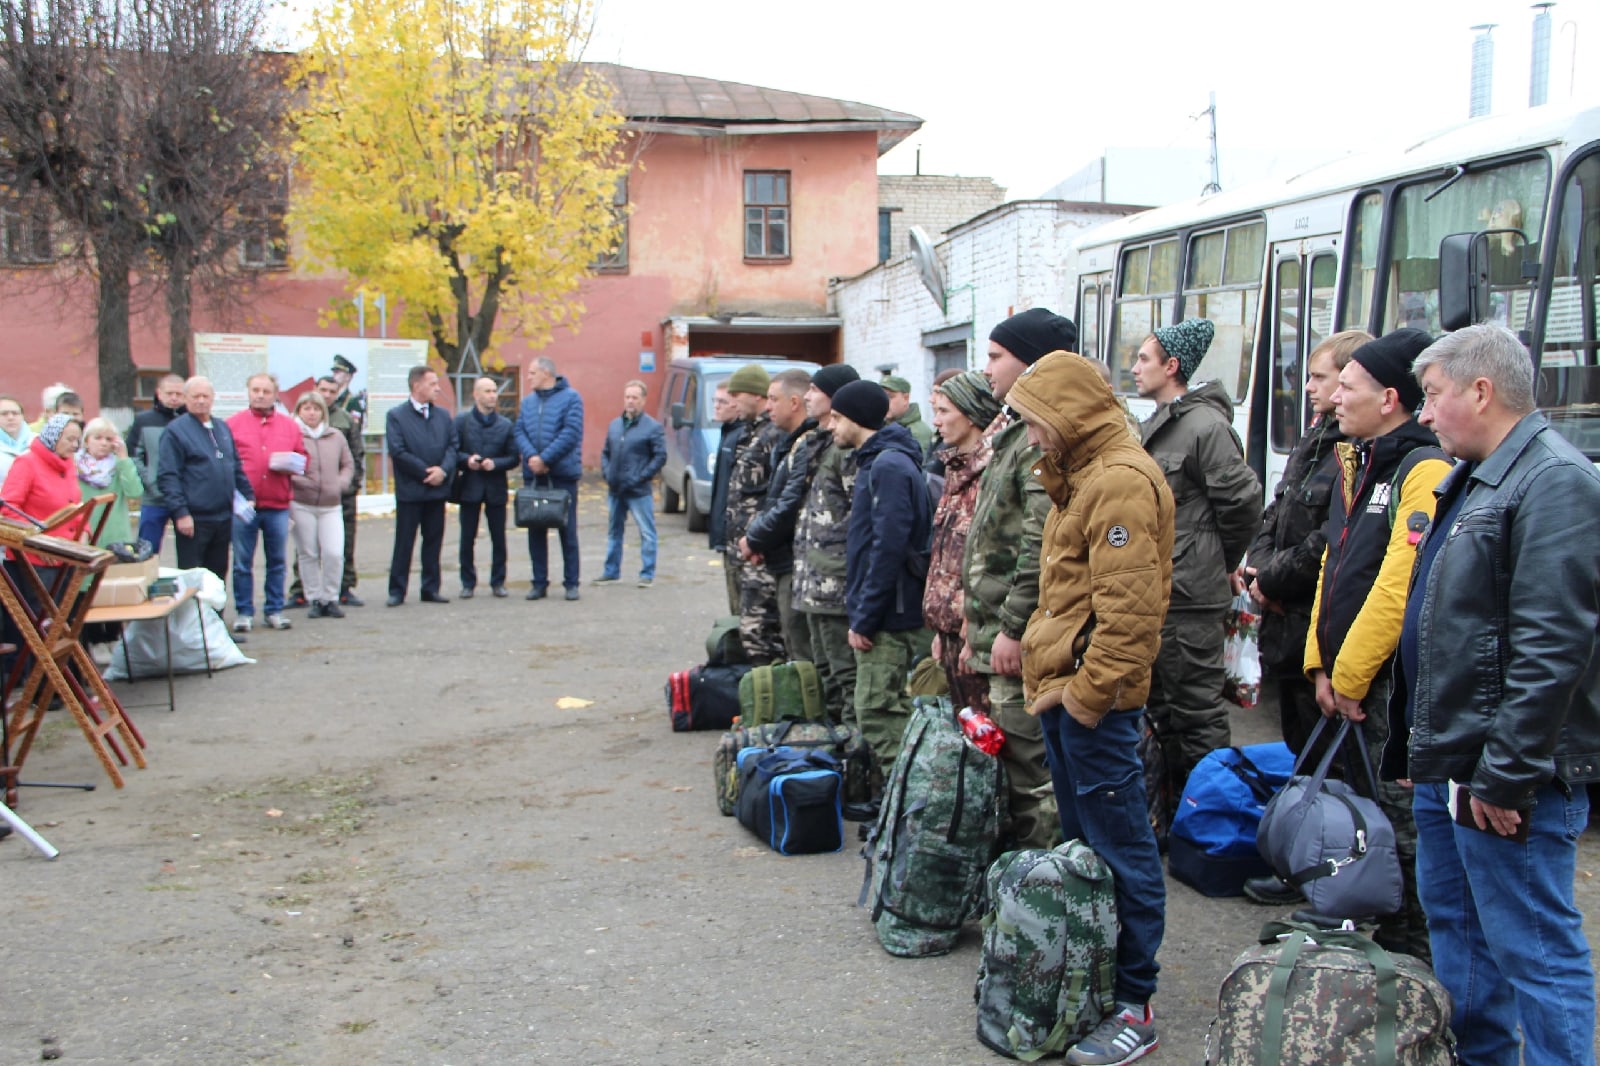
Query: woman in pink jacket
[315, 510]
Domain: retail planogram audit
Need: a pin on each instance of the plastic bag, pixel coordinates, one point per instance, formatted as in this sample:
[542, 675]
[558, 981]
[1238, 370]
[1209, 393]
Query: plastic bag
[1241, 652]
[146, 642]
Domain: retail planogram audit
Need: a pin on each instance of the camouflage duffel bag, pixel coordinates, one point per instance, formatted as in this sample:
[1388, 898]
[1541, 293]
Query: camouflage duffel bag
[1309, 997]
[938, 830]
[843, 742]
[1049, 961]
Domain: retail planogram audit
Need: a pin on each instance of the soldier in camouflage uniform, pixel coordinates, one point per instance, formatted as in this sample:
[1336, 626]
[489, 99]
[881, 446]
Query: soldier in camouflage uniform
[760, 627]
[1000, 571]
[903, 411]
[819, 546]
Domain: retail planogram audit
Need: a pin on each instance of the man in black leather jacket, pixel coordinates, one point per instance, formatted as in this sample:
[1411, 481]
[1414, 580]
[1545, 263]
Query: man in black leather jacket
[1498, 684]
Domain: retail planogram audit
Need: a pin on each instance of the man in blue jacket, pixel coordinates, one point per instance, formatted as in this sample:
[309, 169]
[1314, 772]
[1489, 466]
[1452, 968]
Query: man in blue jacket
[886, 561]
[198, 474]
[549, 435]
[485, 454]
[635, 452]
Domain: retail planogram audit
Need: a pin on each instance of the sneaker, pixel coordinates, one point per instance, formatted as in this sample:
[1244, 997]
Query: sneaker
[242, 624]
[1273, 891]
[1119, 1038]
[331, 609]
[316, 610]
[646, 582]
[572, 594]
[350, 599]
[606, 581]
[277, 621]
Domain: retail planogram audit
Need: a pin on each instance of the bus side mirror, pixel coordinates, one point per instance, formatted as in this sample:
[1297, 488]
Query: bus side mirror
[1473, 267]
[678, 420]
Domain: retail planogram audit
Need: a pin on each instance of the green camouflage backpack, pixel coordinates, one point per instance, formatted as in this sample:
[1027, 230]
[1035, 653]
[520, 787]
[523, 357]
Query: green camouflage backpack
[1308, 997]
[937, 831]
[1049, 951]
[782, 690]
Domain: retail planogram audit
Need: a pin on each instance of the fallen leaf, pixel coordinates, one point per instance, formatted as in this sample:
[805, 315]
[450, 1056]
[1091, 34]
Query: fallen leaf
[273, 812]
[683, 788]
[573, 703]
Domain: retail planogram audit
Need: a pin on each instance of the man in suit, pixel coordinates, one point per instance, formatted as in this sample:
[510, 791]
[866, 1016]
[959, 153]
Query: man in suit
[485, 454]
[422, 449]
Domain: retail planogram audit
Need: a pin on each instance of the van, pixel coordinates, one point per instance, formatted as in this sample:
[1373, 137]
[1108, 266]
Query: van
[686, 412]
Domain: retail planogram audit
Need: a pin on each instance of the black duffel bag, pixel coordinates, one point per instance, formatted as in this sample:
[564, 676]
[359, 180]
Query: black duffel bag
[539, 506]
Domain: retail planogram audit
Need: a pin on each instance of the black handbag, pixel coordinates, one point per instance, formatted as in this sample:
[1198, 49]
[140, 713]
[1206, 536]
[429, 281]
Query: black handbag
[541, 507]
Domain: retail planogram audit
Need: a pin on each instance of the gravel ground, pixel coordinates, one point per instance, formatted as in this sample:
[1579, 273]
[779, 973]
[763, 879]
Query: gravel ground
[386, 842]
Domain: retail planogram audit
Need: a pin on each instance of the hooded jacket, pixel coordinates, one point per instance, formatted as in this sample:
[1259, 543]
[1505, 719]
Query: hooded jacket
[1105, 566]
[144, 446]
[1000, 563]
[1361, 595]
[550, 425]
[1216, 493]
[889, 514]
[1287, 553]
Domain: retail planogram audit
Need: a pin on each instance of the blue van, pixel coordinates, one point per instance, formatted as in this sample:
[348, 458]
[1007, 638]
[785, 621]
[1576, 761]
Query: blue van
[693, 434]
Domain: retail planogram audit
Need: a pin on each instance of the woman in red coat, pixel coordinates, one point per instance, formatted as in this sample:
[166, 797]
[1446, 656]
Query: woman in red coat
[44, 479]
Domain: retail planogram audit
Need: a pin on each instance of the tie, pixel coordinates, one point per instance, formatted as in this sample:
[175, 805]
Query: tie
[424, 410]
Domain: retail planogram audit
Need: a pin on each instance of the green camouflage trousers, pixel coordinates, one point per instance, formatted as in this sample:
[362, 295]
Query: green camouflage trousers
[1185, 700]
[759, 625]
[1035, 823]
[836, 662]
[882, 706]
[730, 575]
[796, 637]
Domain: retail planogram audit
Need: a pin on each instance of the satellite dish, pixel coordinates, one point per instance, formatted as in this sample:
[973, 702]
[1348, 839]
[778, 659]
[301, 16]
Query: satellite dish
[927, 262]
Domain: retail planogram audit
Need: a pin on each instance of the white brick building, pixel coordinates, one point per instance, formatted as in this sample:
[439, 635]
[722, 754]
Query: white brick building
[1003, 261]
[935, 202]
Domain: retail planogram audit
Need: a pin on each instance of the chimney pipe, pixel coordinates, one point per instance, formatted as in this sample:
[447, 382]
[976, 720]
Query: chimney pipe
[1482, 71]
[1539, 72]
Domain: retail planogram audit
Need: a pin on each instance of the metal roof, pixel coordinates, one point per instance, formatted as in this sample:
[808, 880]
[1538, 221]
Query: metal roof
[683, 103]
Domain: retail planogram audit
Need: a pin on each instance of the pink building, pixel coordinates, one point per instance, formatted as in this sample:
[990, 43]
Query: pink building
[746, 202]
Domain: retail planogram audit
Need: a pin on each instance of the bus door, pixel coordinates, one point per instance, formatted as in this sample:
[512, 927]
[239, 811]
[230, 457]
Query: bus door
[1304, 285]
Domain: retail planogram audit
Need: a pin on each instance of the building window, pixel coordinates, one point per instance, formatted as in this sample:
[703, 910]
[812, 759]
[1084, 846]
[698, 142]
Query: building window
[885, 231]
[616, 260]
[265, 242]
[25, 231]
[766, 214]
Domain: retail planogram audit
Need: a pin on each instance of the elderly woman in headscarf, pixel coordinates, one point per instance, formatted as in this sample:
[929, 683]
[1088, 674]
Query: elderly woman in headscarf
[104, 467]
[42, 481]
[14, 433]
[963, 407]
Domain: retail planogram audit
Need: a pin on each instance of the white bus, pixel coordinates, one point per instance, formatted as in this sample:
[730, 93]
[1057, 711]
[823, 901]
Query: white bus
[1507, 207]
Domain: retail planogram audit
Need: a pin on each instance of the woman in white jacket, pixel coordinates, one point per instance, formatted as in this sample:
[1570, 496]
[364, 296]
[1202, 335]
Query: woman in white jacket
[315, 511]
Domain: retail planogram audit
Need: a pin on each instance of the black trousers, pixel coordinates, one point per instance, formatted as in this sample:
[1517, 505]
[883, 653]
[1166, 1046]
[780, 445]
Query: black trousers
[428, 516]
[208, 547]
[495, 515]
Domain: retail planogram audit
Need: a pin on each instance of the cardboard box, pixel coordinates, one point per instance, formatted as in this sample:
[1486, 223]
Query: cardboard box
[146, 571]
[121, 592]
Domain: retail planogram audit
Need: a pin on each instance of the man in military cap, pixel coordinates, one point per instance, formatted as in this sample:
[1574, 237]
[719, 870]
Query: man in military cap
[754, 459]
[903, 411]
[351, 402]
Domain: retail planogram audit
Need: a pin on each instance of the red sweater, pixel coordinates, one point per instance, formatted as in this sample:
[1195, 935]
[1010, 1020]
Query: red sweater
[257, 438]
[40, 483]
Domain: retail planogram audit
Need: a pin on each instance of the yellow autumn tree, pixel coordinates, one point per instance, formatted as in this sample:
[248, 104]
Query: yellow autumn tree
[459, 159]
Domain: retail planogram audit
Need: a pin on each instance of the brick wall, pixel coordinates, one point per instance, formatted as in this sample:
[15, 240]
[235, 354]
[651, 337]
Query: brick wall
[937, 203]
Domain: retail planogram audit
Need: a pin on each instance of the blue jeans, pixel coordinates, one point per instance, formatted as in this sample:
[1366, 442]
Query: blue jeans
[1507, 935]
[273, 526]
[1099, 786]
[153, 523]
[643, 510]
[539, 545]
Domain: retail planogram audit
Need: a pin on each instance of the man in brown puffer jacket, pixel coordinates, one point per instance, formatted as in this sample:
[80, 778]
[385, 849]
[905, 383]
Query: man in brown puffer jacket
[1105, 572]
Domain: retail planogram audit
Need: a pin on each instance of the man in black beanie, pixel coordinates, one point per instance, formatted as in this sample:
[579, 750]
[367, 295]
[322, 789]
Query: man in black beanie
[891, 521]
[1388, 470]
[820, 534]
[1000, 572]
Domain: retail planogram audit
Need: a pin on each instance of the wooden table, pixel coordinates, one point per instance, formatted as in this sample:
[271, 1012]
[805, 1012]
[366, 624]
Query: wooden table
[157, 608]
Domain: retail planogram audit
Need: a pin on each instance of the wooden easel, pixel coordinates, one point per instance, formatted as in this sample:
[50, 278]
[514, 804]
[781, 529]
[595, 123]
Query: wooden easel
[57, 666]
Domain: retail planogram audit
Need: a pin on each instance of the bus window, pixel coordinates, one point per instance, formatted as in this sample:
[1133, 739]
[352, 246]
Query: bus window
[1510, 196]
[1148, 284]
[1225, 282]
[1091, 302]
[1319, 309]
[1362, 271]
[1569, 363]
[1286, 358]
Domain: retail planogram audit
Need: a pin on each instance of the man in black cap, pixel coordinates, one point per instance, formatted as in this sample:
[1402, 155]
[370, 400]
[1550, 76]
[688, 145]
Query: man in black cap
[348, 400]
[891, 518]
[820, 533]
[1190, 435]
[1000, 571]
[1388, 470]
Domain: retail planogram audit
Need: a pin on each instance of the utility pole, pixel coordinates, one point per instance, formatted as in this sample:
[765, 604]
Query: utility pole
[1215, 185]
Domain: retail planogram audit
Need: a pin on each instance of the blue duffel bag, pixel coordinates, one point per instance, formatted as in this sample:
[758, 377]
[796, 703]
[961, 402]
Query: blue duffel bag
[1212, 845]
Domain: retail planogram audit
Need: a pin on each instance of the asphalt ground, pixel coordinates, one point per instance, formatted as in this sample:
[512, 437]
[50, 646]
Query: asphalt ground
[395, 839]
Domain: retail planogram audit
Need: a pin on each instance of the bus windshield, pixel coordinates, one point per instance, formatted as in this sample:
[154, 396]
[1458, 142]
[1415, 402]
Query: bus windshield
[1569, 362]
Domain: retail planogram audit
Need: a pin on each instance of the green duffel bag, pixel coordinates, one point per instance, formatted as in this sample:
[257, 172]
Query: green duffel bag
[782, 690]
[724, 647]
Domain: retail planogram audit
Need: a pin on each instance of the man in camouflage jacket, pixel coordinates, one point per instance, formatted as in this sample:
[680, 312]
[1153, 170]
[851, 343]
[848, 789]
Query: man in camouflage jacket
[1000, 571]
[759, 626]
[819, 545]
[769, 538]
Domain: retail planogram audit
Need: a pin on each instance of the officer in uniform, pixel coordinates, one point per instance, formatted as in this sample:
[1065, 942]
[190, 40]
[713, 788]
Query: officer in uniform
[351, 402]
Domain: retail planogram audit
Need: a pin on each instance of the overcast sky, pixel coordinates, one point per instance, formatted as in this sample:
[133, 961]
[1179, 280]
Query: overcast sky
[1027, 91]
